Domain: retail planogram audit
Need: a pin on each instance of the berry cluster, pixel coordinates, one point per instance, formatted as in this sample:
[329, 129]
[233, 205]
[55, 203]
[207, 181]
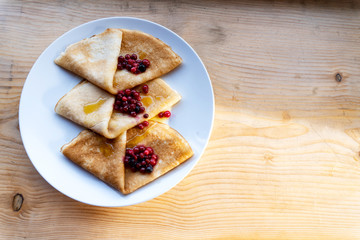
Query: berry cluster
[140, 158]
[132, 64]
[166, 114]
[129, 102]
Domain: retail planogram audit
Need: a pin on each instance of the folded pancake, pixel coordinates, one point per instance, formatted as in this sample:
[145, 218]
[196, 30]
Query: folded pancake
[94, 58]
[92, 107]
[162, 59]
[170, 147]
[104, 157]
[100, 156]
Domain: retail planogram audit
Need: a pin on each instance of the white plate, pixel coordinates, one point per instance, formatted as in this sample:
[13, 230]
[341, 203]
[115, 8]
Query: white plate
[44, 132]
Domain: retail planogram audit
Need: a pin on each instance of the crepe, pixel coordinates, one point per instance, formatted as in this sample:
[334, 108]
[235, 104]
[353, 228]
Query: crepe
[162, 59]
[170, 147]
[100, 156]
[104, 158]
[94, 58]
[92, 107]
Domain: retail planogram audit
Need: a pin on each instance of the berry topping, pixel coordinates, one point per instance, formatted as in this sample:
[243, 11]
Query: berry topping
[132, 63]
[143, 124]
[129, 102]
[146, 62]
[140, 158]
[121, 59]
[146, 115]
[166, 114]
[145, 88]
[142, 68]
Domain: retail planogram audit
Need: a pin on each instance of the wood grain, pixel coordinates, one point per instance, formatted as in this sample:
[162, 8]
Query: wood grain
[283, 161]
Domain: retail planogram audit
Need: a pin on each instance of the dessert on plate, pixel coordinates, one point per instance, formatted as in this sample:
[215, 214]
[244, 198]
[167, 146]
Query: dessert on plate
[121, 102]
[104, 113]
[131, 160]
[114, 59]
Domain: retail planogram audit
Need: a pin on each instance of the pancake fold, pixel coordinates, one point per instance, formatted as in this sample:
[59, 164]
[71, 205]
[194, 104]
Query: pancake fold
[92, 107]
[104, 158]
[96, 58]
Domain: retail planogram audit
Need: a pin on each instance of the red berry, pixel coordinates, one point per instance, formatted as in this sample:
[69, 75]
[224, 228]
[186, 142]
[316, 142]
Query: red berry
[145, 115]
[146, 62]
[146, 123]
[140, 126]
[121, 59]
[127, 56]
[145, 88]
[152, 162]
[133, 114]
[136, 150]
[167, 114]
[119, 66]
[142, 148]
[134, 56]
[133, 70]
[124, 99]
[161, 114]
[128, 92]
[151, 151]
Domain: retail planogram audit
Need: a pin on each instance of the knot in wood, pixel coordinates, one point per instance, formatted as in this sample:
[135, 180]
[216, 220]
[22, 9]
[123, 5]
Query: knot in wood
[338, 77]
[17, 202]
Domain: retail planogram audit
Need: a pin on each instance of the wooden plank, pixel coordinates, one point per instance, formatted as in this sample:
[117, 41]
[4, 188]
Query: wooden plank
[283, 161]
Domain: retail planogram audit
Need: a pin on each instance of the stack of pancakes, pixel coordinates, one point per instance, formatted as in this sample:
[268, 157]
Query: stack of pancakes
[101, 148]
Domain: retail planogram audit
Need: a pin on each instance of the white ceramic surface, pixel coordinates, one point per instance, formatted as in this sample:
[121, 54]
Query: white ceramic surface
[44, 132]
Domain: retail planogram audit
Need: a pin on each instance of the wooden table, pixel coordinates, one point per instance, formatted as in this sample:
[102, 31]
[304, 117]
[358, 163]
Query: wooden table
[283, 160]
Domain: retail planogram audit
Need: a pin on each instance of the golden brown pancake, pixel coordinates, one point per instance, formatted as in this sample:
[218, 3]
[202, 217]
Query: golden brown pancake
[104, 158]
[94, 58]
[170, 147]
[100, 156]
[162, 59]
[92, 107]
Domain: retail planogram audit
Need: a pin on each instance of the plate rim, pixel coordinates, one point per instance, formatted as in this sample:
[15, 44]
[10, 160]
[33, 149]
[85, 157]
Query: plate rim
[22, 118]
